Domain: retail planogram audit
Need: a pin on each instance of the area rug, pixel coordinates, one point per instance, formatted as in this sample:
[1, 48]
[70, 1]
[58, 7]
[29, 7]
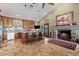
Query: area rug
[65, 44]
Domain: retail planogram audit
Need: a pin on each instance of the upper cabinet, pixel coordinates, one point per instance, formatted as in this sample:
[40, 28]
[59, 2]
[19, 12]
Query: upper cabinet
[28, 24]
[25, 23]
[31, 24]
[0, 18]
[10, 22]
[7, 22]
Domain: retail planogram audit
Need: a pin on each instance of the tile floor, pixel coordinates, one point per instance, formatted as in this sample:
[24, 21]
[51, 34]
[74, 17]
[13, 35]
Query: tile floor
[37, 48]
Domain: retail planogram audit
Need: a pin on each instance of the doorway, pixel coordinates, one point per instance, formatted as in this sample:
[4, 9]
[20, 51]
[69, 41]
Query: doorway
[46, 29]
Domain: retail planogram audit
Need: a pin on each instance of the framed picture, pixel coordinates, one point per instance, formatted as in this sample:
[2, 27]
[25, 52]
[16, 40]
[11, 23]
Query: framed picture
[65, 19]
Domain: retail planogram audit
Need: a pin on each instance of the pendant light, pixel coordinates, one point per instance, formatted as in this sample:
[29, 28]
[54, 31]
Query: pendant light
[37, 17]
[29, 10]
[37, 26]
[25, 10]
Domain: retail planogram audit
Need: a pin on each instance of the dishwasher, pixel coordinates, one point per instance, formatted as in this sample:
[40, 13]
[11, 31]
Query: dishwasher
[10, 36]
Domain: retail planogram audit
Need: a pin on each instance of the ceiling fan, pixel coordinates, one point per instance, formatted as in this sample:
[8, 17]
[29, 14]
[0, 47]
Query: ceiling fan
[43, 5]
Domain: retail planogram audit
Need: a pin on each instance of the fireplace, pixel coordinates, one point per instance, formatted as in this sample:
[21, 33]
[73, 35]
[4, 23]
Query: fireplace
[69, 33]
[64, 35]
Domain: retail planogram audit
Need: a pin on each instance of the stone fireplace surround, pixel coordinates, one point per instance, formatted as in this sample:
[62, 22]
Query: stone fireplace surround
[74, 31]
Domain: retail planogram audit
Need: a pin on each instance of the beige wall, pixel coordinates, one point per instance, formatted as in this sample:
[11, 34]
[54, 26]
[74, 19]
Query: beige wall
[60, 9]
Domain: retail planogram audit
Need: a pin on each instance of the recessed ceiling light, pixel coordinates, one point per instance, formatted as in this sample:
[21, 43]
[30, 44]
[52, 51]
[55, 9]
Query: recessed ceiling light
[6, 13]
[37, 19]
[29, 17]
[44, 13]
[55, 3]
[17, 15]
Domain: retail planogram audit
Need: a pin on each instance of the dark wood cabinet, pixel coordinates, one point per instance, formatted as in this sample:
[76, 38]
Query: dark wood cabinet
[18, 35]
[25, 38]
[25, 23]
[31, 24]
[0, 18]
[4, 36]
[9, 21]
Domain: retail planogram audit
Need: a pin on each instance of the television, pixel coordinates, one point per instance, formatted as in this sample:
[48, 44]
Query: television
[37, 27]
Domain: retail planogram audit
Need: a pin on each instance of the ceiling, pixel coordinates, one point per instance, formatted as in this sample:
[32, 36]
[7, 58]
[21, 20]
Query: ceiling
[17, 10]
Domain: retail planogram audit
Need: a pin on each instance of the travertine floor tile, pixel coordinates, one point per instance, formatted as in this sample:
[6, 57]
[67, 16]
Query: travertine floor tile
[38, 48]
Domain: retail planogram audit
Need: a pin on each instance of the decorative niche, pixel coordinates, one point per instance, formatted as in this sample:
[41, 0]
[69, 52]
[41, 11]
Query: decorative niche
[64, 19]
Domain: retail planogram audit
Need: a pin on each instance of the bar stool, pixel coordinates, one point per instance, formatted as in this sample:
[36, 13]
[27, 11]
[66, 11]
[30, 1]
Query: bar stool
[30, 37]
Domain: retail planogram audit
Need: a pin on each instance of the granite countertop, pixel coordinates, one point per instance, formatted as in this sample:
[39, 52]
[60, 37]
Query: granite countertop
[11, 30]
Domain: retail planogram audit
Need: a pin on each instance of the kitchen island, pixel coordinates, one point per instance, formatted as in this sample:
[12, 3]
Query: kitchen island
[25, 35]
[29, 36]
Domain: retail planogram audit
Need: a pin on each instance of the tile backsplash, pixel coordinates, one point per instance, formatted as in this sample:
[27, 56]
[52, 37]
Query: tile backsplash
[13, 29]
[18, 29]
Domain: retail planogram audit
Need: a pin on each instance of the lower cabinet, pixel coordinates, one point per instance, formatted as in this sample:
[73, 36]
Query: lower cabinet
[4, 36]
[18, 35]
[26, 38]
